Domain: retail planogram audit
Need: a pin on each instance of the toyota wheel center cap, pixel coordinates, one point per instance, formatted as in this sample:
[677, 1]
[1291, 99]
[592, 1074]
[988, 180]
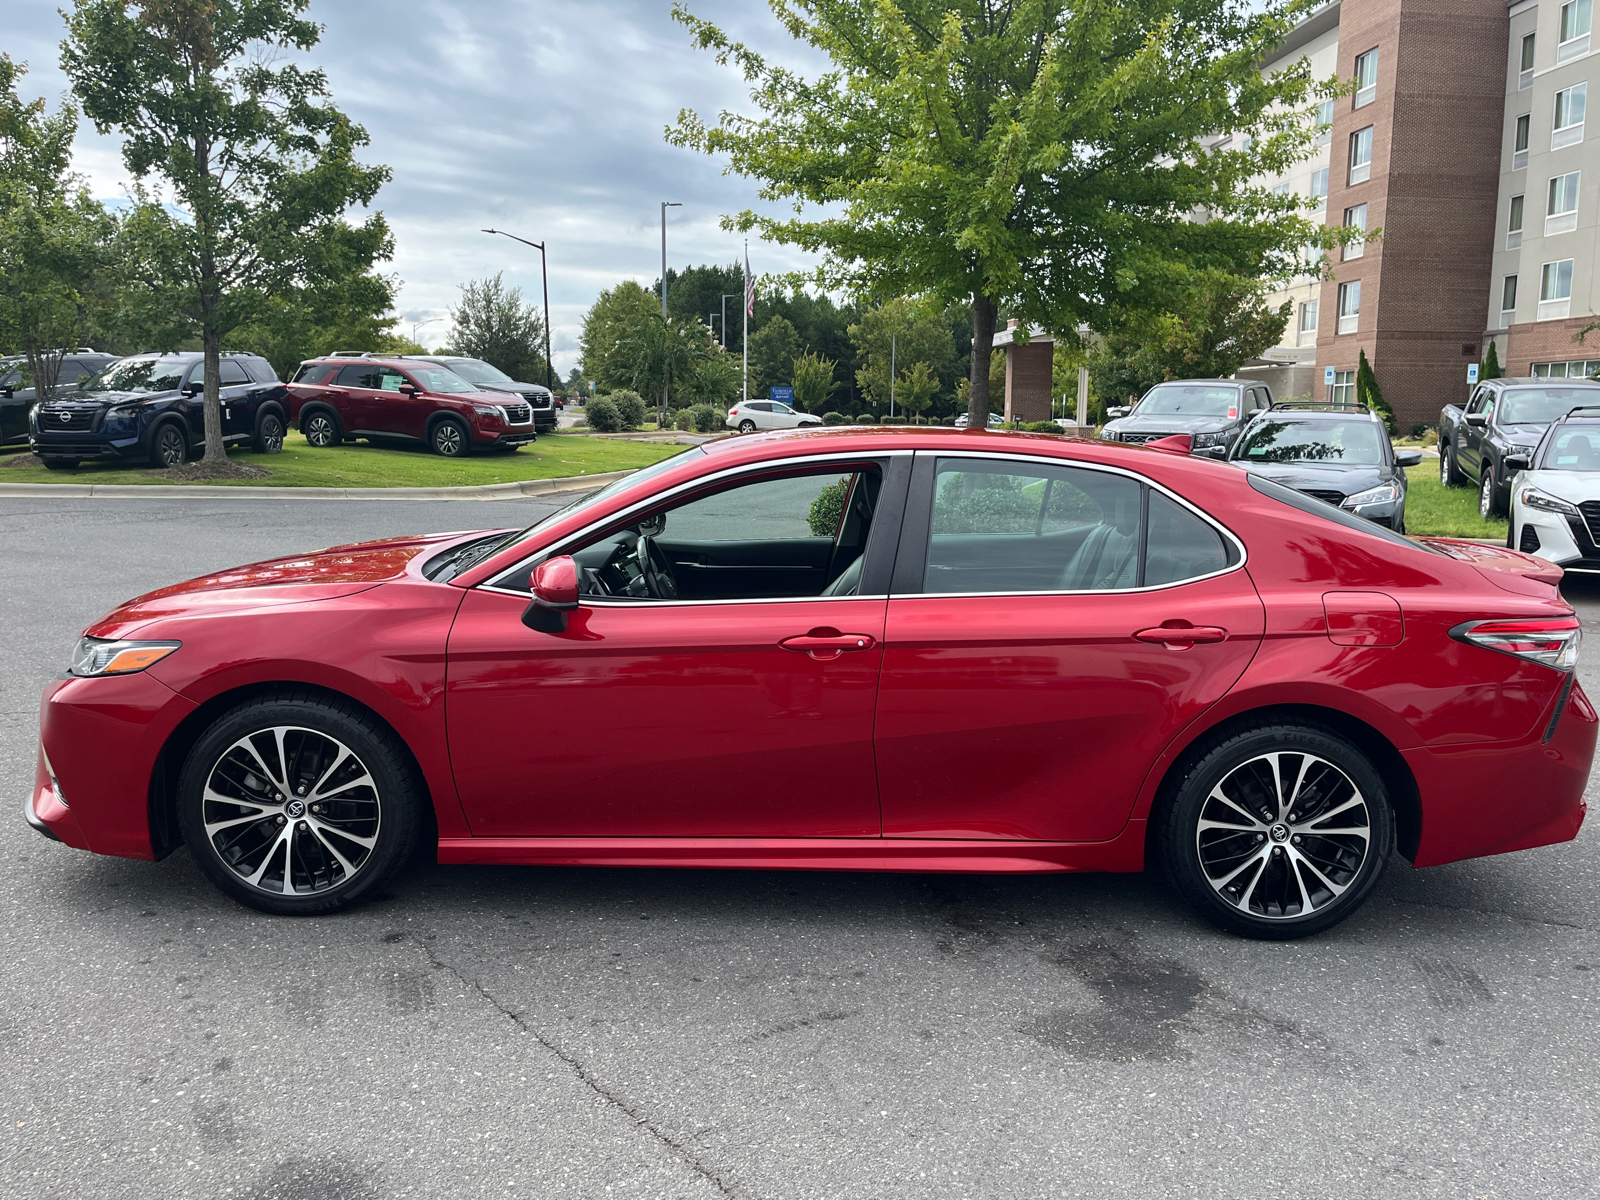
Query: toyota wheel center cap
[1279, 832]
[297, 808]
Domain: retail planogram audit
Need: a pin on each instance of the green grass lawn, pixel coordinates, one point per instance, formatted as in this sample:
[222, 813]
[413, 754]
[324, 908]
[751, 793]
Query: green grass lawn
[1432, 508]
[361, 465]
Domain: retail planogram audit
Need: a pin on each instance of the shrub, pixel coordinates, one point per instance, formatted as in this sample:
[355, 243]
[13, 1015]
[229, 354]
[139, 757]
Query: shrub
[866, 419]
[707, 419]
[603, 415]
[948, 421]
[684, 420]
[1042, 427]
[630, 407]
[834, 418]
[827, 508]
[894, 420]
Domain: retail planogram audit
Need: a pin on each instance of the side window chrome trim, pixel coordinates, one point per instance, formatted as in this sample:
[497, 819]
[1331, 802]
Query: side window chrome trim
[727, 473]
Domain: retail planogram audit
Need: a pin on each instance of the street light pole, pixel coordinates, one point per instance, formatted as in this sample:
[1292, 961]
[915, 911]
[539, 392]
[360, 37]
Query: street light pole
[726, 296]
[665, 204]
[416, 325]
[544, 275]
[892, 338]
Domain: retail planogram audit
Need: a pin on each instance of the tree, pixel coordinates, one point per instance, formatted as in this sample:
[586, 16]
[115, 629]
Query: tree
[917, 388]
[814, 383]
[901, 333]
[1048, 156]
[614, 321]
[260, 164]
[1367, 392]
[773, 348]
[715, 379]
[664, 351]
[696, 295]
[492, 323]
[54, 239]
[1491, 363]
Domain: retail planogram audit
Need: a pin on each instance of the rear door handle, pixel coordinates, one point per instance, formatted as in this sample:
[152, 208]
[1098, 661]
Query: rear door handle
[1181, 637]
[824, 644]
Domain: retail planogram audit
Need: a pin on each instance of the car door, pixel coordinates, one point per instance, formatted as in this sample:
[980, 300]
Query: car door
[1470, 441]
[675, 718]
[357, 397]
[1036, 660]
[783, 416]
[234, 393]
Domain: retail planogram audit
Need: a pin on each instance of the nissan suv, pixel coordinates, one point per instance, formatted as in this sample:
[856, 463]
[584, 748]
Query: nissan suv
[404, 399]
[490, 378]
[151, 408]
[1212, 412]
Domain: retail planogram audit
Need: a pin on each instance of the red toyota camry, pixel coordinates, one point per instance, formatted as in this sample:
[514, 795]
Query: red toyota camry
[847, 649]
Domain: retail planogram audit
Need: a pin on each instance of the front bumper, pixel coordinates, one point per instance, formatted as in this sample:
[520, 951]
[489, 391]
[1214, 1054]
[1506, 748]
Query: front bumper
[1555, 537]
[80, 446]
[523, 437]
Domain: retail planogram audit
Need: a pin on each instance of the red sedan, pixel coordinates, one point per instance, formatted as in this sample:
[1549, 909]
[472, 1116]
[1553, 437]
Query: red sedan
[914, 650]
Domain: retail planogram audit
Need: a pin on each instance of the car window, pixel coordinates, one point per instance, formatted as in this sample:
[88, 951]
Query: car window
[1329, 512]
[1488, 405]
[475, 370]
[440, 379]
[1189, 399]
[1179, 545]
[778, 407]
[389, 380]
[360, 375]
[232, 374]
[808, 506]
[1476, 404]
[71, 371]
[1539, 405]
[138, 375]
[313, 373]
[759, 406]
[1283, 440]
[260, 370]
[1573, 450]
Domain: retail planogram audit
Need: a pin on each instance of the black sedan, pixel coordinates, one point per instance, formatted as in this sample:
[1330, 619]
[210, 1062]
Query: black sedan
[1342, 456]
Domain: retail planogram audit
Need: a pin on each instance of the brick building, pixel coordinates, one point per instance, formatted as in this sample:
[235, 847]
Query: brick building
[1412, 152]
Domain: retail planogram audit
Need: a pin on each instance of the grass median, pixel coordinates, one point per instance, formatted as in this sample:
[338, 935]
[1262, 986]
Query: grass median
[360, 465]
[1435, 510]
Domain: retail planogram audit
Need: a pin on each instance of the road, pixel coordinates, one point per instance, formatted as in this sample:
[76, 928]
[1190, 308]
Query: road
[591, 1033]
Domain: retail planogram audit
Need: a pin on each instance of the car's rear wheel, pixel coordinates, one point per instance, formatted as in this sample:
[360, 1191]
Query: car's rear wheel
[321, 430]
[1449, 474]
[1278, 832]
[450, 438]
[297, 805]
[747, 426]
[169, 447]
[269, 434]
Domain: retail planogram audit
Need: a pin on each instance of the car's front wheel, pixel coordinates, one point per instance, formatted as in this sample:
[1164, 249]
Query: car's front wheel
[169, 447]
[1449, 474]
[296, 805]
[450, 438]
[1279, 831]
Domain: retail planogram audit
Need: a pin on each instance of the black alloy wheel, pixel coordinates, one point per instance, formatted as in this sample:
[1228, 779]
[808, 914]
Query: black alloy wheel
[450, 438]
[269, 434]
[169, 447]
[296, 804]
[321, 431]
[1278, 832]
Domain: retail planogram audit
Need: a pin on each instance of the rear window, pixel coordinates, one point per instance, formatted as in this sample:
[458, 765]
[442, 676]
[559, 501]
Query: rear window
[1329, 512]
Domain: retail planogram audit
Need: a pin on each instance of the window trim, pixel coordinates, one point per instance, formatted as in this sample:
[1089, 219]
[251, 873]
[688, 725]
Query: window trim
[1354, 316]
[1365, 168]
[1366, 94]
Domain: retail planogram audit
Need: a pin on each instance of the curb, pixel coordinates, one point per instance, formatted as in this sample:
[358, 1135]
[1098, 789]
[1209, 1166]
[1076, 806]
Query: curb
[166, 491]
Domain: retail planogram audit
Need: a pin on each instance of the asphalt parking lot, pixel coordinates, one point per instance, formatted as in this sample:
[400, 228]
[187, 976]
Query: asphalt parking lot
[590, 1033]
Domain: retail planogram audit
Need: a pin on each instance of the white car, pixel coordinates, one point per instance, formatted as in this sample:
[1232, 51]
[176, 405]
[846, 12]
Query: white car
[1555, 498]
[995, 421]
[751, 415]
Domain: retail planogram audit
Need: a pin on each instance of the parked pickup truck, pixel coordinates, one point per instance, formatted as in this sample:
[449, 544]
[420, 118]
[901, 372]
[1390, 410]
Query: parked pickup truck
[1211, 411]
[1491, 438]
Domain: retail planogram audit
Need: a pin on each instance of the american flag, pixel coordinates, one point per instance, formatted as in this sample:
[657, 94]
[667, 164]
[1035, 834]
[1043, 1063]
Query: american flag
[749, 285]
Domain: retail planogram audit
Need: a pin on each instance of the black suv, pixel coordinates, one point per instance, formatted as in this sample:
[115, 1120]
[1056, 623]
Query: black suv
[487, 378]
[151, 408]
[1211, 411]
[1339, 455]
[17, 392]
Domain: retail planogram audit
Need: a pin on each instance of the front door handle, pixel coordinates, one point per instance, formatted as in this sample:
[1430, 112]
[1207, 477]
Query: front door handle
[1181, 637]
[825, 644]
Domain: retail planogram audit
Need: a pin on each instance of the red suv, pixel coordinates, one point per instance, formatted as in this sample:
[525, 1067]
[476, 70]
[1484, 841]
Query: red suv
[335, 398]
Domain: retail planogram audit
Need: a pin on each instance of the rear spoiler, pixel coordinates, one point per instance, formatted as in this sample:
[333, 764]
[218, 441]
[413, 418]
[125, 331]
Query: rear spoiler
[1498, 560]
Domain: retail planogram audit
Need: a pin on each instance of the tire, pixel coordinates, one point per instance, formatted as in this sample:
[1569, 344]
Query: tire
[320, 837]
[1449, 473]
[1245, 882]
[60, 464]
[321, 430]
[747, 426]
[269, 434]
[1489, 505]
[169, 446]
[450, 439]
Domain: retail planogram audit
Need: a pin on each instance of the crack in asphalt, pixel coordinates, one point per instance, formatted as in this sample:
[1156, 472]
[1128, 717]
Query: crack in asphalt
[578, 1069]
[1486, 912]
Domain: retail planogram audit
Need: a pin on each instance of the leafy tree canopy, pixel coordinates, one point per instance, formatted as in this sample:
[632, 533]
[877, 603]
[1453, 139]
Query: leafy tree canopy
[613, 321]
[905, 333]
[773, 349]
[493, 323]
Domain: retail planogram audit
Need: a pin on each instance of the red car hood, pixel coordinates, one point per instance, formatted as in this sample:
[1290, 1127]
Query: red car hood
[322, 575]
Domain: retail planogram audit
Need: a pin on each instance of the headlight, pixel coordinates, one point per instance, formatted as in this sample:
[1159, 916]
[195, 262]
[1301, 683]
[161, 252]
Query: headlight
[1382, 494]
[1532, 497]
[123, 412]
[1209, 439]
[489, 410]
[102, 656]
[1108, 435]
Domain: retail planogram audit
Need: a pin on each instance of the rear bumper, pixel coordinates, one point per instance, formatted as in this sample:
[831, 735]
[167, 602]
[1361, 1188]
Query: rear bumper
[1493, 799]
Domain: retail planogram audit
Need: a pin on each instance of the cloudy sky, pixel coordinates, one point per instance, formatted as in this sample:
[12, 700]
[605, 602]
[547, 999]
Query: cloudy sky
[541, 117]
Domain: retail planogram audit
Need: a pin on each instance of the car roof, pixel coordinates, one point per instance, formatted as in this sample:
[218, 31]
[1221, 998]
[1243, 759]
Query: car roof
[1326, 414]
[1536, 381]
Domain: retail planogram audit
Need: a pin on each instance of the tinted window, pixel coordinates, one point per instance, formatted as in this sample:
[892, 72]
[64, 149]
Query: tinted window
[260, 370]
[232, 374]
[1180, 545]
[807, 507]
[71, 371]
[1189, 399]
[313, 373]
[1309, 504]
[360, 375]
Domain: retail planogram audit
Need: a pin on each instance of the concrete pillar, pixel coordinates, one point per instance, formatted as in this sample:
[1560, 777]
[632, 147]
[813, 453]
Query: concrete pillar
[1028, 380]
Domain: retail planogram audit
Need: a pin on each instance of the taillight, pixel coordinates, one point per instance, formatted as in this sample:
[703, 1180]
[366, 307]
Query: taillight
[1552, 641]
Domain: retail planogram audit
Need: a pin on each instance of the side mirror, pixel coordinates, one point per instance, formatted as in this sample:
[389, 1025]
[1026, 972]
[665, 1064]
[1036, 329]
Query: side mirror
[1477, 419]
[1518, 462]
[555, 594]
[408, 389]
[192, 390]
[8, 392]
[1120, 410]
[1408, 458]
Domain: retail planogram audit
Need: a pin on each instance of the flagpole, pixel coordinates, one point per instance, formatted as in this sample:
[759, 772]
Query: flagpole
[747, 319]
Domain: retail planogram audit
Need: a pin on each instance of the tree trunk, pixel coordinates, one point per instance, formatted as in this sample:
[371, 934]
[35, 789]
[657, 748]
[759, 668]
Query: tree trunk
[983, 310]
[215, 450]
[210, 335]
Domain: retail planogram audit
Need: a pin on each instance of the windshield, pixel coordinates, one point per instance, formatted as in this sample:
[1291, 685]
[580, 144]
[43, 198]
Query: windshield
[1573, 450]
[138, 375]
[1335, 443]
[1190, 400]
[12, 373]
[477, 371]
[1541, 405]
[610, 489]
[439, 379]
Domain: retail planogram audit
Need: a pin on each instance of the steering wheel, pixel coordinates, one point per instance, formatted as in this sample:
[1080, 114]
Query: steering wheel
[654, 569]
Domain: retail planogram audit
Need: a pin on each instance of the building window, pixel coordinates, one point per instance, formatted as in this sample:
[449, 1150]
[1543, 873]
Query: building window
[1555, 290]
[1350, 305]
[1567, 128]
[1519, 145]
[1514, 225]
[1311, 259]
[1308, 323]
[1561, 209]
[1355, 218]
[1366, 78]
[1281, 188]
[1319, 185]
[1576, 369]
[1342, 392]
[1508, 299]
[1324, 123]
[1575, 19]
[1361, 155]
[1525, 78]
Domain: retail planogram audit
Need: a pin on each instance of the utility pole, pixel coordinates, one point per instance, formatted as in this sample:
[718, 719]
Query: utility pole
[665, 332]
[749, 300]
[726, 296]
[892, 338]
[544, 275]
